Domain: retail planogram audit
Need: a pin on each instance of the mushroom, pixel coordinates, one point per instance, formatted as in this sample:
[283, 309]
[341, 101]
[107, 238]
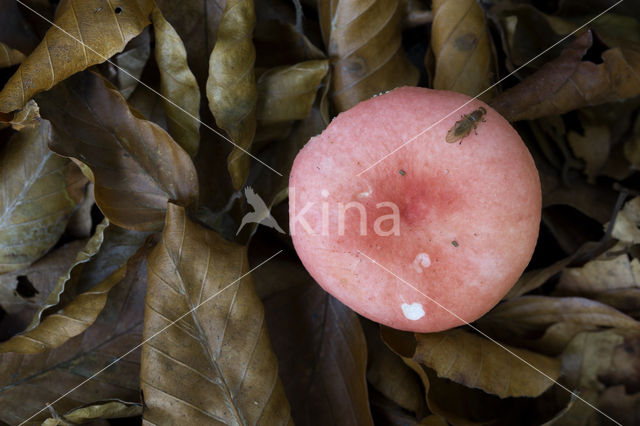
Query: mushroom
[405, 228]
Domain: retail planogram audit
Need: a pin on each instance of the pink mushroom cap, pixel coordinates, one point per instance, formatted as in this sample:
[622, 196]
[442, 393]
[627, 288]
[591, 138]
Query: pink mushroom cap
[466, 215]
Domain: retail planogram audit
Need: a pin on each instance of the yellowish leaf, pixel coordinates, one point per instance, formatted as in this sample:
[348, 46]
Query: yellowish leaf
[109, 409]
[231, 86]
[9, 56]
[215, 365]
[34, 203]
[137, 166]
[477, 362]
[178, 84]
[627, 225]
[461, 46]
[364, 43]
[287, 93]
[91, 31]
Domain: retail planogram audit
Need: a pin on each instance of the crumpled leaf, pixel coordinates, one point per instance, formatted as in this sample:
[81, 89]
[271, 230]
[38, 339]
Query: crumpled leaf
[600, 275]
[34, 203]
[9, 56]
[131, 63]
[28, 381]
[109, 409]
[50, 331]
[223, 350]
[479, 363]
[364, 44]
[538, 312]
[231, 86]
[567, 83]
[320, 346]
[460, 44]
[625, 365]
[178, 84]
[287, 93]
[136, 164]
[627, 225]
[58, 56]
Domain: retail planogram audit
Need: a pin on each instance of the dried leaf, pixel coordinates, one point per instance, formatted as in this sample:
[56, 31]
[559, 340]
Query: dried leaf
[593, 147]
[221, 350]
[364, 43]
[137, 166]
[9, 56]
[60, 54]
[627, 225]
[27, 381]
[34, 203]
[231, 86]
[279, 43]
[620, 405]
[14, 30]
[460, 44]
[131, 63]
[287, 93]
[479, 363]
[625, 365]
[568, 83]
[320, 347]
[109, 409]
[600, 275]
[538, 312]
[178, 84]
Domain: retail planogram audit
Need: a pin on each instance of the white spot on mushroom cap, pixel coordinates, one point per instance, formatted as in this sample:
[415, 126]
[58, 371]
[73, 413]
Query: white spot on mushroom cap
[413, 312]
[324, 193]
[422, 260]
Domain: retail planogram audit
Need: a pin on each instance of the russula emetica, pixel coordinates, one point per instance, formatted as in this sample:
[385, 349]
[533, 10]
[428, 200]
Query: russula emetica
[414, 232]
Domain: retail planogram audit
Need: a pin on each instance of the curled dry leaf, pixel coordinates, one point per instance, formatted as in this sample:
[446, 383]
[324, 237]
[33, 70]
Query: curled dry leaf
[221, 349]
[538, 312]
[627, 225]
[320, 346]
[34, 203]
[568, 82]
[364, 43]
[231, 86]
[28, 381]
[599, 276]
[460, 43]
[9, 56]
[109, 409]
[178, 84]
[137, 166]
[81, 37]
[131, 63]
[287, 93]
[479, 363]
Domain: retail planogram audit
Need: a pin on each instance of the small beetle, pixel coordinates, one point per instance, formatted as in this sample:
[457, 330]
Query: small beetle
[463, 127]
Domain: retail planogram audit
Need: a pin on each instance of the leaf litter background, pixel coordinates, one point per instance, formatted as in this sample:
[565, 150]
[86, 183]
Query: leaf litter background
[118, 213]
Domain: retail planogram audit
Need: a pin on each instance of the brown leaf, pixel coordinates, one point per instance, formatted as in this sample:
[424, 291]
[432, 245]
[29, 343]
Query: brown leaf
[620, 405]
[109, 409]
[231, 86]
[600, 275]
[196, 22]
[279, 43]
[216, 363]
[479, 363]
[592, 147]
[9, 56]
[131, 63]
[14, 30]
[625, 365]
[137, 166]
[177, 84]
[460, 44]
[287, 93]
[568, 83]
[27, 381]
[104, 29]
[538, 312]
[627, 225]
[320, 346]
[34, 203]
[364, 44]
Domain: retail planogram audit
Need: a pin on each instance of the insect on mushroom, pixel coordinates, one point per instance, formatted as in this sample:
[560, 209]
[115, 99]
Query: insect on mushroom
[463, 127]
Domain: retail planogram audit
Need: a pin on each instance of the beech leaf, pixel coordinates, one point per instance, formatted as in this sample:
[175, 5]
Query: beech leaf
[137, 166]
[9, 56]
[479, 363]
[215, 365]
[102, 31]
[460, 43]
[231, 86]
[109, 409]
[364, 43]
[34, 203]
[178, 84]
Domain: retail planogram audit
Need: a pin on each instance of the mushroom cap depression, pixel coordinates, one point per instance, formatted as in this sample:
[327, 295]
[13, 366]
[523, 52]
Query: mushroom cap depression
[405, 228]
